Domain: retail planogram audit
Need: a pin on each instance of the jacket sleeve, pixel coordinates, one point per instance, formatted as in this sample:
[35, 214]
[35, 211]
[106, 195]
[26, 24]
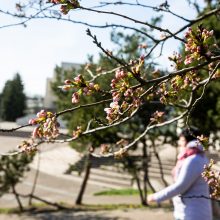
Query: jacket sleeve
[190, 171]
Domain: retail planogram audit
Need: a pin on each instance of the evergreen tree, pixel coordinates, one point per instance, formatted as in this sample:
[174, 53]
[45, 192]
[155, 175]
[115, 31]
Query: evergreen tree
[127, 46]
[12, 170]
[13, 100]
[206, 115]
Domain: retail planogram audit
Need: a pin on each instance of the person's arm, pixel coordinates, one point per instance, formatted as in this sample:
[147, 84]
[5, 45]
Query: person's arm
[189, 172]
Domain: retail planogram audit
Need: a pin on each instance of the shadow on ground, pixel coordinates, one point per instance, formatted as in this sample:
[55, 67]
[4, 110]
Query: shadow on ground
[71, 216]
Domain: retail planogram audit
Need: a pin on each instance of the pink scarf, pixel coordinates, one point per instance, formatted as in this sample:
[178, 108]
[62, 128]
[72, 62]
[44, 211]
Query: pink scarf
[181, 157]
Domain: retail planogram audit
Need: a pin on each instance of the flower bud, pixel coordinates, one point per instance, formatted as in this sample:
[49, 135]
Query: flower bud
[75, 97]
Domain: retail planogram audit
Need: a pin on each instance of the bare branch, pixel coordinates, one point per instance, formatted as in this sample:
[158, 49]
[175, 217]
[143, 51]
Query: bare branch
[156, 8]
[14, 129]
[81, 106]
[208, 14]
[193, 105]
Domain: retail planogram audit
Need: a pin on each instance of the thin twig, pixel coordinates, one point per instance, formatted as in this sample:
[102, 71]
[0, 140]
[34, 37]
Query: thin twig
[14, 129]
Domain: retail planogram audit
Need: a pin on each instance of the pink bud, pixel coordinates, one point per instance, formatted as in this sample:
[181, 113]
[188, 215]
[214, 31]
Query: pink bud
[32, 122]
[211, 33]
[142, 57]
[85, 90]
[75, 97]
[115, 96]
[35, 133]
[67, 81]
[66, 87]
[42, 114]
[77, 79]
[123, 74]
[91, 85]
[108, 110]
[55, 1]
[114, 105]
[117, 74]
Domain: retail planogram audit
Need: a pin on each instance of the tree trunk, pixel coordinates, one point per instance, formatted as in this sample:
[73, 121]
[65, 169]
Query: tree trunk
[145, 169]
[84, 183]
[160, 164]
[17, 199]
[143, 202]
[35, 180]
[146, 173]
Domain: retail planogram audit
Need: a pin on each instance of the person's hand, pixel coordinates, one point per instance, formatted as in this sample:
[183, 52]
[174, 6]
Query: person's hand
[150, 198]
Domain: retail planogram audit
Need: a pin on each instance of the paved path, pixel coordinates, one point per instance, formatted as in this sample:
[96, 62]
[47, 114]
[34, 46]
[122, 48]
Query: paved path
[125, 214]
[55, 186]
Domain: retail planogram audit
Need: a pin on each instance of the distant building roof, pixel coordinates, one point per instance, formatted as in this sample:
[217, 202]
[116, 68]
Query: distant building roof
[68, 66]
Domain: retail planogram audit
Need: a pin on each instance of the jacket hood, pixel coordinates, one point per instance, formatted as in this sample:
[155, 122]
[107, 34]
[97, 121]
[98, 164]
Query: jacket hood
[195, 143]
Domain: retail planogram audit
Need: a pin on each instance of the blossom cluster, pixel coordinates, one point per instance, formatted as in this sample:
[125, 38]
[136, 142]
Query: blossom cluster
[77, 132]
[157, 117]
[124, 97]
[197, 44]
[167, 93]
[83, 87]
[121, 153]
[105, 148]
[27, 146]
[204, 140]
[212, 177]
[47, 125]
[66, 5]
[175, 89]
[177, 59]
[197, 47]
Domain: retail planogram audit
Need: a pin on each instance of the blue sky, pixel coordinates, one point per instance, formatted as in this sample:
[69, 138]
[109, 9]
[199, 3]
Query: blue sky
[34, 51]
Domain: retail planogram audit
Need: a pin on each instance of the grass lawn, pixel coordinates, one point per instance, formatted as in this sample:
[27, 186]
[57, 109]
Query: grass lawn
[121, 192]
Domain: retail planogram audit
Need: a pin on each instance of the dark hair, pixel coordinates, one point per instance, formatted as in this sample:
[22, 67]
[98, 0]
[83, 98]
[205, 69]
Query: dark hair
[190, 133]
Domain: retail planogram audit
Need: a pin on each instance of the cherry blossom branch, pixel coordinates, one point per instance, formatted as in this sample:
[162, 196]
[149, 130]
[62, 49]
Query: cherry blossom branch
[156, 8]
[10, 154]
[14, 129]
[96, 26]
[99, 45]
[109, 54]
[96, 129]
[94, 77]
[33, 149]
[22, 16]
[125, 149]
[160, 79]
[192, 22]
[129, 18]
[59, 113]
[182, 71]
[192, 107]
[81, 106]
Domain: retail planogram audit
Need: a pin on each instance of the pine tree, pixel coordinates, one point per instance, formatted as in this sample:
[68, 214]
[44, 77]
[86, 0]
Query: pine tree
[13, 100]
[206, 115]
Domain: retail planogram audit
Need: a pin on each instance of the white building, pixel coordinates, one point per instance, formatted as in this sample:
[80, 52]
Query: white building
[34, 104]
[50, 98]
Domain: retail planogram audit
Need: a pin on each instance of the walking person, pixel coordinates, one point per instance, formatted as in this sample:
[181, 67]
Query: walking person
[189, 188]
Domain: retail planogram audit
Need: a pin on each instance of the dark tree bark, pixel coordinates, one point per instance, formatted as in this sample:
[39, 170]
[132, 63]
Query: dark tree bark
[160, 164]
[146, 159]
[17, 199]
[84, 183]
[35, 180]
[143, 201]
